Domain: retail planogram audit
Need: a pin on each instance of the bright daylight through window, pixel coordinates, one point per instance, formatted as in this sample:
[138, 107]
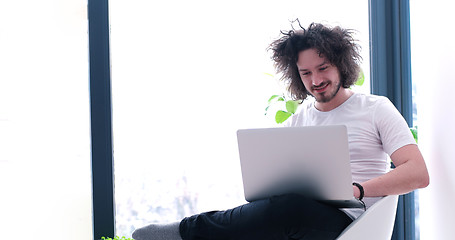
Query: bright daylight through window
[185, 76]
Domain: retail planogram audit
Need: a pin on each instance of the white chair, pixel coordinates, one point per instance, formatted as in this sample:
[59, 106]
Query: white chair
[374, 224]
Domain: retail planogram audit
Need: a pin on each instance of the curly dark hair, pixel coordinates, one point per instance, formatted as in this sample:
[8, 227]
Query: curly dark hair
[335, 44]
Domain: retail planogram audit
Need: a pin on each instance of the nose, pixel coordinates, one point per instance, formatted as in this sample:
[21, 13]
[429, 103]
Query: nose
[316, 79]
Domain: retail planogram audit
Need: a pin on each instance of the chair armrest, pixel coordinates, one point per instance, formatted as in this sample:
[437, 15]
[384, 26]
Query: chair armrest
[375, 223]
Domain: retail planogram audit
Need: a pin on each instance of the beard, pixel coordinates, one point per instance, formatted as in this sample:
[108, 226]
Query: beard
[327, 96]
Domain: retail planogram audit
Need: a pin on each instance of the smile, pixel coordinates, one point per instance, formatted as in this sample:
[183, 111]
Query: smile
[321, 88]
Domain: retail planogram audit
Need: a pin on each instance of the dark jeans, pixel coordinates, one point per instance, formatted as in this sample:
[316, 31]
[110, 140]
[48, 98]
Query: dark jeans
[284, 217]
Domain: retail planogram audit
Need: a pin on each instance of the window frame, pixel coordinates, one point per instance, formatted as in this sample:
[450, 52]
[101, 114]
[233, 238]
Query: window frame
[101, 120]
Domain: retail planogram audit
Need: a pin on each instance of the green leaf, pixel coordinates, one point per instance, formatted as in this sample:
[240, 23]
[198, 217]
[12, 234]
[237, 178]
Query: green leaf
[272, 97]
[275, 98]
[414, 134]
[282, 116]
[361, 78]
[291, 106]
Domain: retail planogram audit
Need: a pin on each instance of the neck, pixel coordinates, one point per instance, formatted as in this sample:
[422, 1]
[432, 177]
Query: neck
[342, 95]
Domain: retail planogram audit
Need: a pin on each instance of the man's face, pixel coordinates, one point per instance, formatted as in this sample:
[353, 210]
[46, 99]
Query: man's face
[320, 78]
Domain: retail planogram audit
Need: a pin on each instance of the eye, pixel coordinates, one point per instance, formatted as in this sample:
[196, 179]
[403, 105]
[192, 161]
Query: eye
[323, 68]
[305, 73]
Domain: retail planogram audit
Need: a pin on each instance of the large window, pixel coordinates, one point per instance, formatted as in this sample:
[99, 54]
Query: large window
[185, 76]
[44, 120]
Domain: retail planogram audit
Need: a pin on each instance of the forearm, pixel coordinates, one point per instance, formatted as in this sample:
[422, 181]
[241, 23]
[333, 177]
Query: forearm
[410, 174]
[397, 181]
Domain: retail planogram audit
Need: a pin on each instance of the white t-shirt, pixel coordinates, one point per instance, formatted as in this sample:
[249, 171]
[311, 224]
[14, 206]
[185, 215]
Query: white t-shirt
[375, 130]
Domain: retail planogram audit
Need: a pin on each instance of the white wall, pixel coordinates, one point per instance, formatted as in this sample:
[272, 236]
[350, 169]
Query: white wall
[433, 65]
[45, 177]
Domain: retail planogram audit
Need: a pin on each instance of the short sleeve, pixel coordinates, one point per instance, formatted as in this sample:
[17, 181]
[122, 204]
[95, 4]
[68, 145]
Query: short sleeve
[393, 130]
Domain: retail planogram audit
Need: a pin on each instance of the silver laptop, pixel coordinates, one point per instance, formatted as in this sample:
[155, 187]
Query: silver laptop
[312, 161]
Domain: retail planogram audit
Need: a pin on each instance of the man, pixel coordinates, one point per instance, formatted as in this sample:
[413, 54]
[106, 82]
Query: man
[322, 62]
